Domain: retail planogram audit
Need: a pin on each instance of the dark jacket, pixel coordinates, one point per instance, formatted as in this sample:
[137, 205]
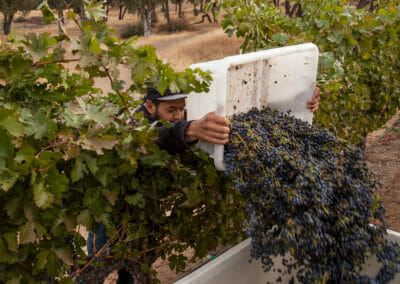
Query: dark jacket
[171, 138]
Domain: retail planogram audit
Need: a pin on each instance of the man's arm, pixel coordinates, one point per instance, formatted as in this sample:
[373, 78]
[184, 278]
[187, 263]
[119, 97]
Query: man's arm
[173, 139]
[210, 128]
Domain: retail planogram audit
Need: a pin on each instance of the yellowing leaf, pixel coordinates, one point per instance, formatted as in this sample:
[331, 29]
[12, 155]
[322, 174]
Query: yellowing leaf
[7, 179]
[65, 254]
[41, 196]
[98, 143]
[27, 233]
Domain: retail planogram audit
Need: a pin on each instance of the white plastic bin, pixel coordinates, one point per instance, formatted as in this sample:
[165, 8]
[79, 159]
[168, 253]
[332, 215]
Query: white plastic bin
[283, 78]
[233, 267]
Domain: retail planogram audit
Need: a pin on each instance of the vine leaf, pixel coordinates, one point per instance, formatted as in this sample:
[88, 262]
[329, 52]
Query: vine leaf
[41, 196]
[40, 125]
[7, 179]
[38, 45]
[78, 170]
[95, 10]
[27, 233]
[65, 254]
[11, 239]
[9, 121]
[97, 144]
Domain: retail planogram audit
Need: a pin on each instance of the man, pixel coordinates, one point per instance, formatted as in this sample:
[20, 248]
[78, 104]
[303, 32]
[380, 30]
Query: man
[183, 134]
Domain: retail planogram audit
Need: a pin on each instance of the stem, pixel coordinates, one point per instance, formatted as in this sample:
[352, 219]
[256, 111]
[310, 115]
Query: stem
[77, 272]
[155, 248]
[78, 24]
[55, 61]
[50, 146]
[121, 97]
[45, 169]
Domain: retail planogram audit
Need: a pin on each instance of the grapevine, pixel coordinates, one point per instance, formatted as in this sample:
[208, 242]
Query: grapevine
[309, 198]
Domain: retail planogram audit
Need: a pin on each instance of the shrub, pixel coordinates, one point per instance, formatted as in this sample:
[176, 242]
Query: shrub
[132, 30]
[174, 26]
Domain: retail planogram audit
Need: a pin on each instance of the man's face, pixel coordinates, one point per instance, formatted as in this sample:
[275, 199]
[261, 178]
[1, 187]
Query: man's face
[170, 111]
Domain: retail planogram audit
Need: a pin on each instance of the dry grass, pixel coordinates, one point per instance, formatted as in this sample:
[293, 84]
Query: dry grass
[202, 47]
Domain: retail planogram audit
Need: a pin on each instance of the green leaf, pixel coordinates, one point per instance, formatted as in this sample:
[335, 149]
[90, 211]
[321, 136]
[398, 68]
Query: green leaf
[58, 182]
[11, 239]
[98, 113]
[91, 162]
[41, 261]
[24, 158]
[79, 170]
[41, 196]
[71, 15]
[9, 121]
[6, 146]
[85, 218]
[159, 159]
[27, 233]
[65, 254]
[47, 158]
[7, 179]
[230, 32]
[136, 200]
[40, 125]
[95, 11]
[48, 14]
[13, 207]
[39, 45]
[280, 38]
[53, 264]
[72, 119]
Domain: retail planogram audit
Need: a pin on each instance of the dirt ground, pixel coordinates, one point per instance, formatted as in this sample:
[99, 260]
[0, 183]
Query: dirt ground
[384, 162]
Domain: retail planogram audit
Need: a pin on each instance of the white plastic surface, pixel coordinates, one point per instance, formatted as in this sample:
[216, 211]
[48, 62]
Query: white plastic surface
[282, 78]
[233, 267]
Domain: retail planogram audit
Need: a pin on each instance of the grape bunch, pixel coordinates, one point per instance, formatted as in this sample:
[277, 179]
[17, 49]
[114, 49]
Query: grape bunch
[309, 198]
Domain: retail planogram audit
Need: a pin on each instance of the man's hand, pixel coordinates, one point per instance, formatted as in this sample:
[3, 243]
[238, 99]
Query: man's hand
[210, 128]
[314, 102]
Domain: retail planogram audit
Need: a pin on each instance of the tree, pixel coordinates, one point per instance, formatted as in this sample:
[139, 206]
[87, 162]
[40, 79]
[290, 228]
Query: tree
[145, 9]
[165, 6]
[9, 7]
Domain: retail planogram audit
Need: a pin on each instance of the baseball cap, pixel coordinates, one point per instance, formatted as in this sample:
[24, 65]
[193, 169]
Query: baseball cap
[154, 95]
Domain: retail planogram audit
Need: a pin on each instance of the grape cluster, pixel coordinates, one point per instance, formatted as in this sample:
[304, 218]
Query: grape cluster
[309, 198]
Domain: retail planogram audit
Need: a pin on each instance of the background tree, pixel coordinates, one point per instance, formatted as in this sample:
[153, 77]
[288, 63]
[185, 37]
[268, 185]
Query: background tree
[165, 8]
[145, 9]
[9, 7]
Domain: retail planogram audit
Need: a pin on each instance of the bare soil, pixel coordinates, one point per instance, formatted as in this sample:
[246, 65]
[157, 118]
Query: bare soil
[384, 162]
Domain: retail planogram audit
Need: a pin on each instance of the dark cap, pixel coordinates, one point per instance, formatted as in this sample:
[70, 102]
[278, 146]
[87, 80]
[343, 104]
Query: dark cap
[154, 95]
